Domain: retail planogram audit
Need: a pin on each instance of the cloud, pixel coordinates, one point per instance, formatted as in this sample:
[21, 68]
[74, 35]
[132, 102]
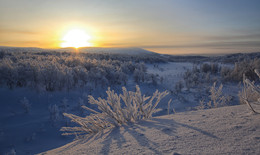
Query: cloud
[29, 43]
[220, 44]
[253, 36]
[4, 30]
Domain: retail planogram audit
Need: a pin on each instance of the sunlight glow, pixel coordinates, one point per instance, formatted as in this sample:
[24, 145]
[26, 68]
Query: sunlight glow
[76, 38]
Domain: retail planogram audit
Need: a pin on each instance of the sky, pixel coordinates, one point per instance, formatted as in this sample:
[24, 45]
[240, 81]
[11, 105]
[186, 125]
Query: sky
[164, 26]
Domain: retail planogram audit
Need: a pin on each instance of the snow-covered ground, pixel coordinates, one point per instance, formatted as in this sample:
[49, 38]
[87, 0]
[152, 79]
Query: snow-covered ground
[175, 69]
[226, 130]
[171, 72]
[35, 132]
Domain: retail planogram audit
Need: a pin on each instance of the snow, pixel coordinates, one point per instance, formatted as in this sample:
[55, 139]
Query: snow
[172, 72]
[36, 131]
[226, 130]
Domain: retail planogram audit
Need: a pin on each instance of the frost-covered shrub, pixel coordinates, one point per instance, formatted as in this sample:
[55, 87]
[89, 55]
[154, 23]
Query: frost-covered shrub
[225, 73]
[54, 113]
[245, 67]
[179, 86]
[205, 68]
[2, 54]
[11, 152]
[250, 93]
[30, 138]
[169, 105]
[64, 105]
[217, 97]
[26, 105]
[53, 71]
[192, 77]
[8, 73]
[139, 76]
[115, 110]
[212, 67]
[207, 77]
[201, 105]
[154, 79]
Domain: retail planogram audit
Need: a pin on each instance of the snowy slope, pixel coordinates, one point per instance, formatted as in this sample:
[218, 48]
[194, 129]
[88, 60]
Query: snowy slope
[172, 72]
[227, 130]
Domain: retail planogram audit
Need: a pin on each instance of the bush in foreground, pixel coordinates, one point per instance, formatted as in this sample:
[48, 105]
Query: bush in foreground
[116, 110]
[250, 93]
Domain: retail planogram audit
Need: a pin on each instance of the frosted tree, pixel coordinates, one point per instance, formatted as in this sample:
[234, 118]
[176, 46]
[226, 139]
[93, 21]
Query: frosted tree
[250, 93]
[138, 76]
[63, 70]
[115, 110]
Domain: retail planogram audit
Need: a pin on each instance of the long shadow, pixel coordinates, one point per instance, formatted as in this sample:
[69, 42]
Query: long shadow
[85, 139]
[143, 140]
[187, 126]
[113, 135]
[199, 130]
[166, 126]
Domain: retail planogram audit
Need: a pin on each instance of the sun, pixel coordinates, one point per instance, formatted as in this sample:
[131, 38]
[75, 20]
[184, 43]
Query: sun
[76, 38]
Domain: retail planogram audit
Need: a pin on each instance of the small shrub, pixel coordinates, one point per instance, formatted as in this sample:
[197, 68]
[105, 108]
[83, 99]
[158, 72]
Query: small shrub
[212, 68]
[216, 96]
[64, 104]
[201, 106]
[205, 68]
[116, 110]
[250, 93]
[11, 152]
[246, 68]
[225, 73]
[26, 105]
[54, 113]
[179, 86]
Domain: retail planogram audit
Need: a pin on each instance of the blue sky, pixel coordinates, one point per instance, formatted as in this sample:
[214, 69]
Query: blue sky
[166, 26]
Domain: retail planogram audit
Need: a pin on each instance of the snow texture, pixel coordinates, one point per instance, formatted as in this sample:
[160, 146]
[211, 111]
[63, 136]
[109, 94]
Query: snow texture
[225, 130]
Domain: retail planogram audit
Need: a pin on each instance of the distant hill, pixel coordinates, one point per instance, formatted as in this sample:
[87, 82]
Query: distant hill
[99, 50]
[129, 51]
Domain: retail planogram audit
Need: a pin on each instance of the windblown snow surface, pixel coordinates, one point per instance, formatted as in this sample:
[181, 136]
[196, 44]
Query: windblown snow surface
[226, 130]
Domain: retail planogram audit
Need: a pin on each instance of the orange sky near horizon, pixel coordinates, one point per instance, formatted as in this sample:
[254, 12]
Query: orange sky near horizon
[169, 26]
